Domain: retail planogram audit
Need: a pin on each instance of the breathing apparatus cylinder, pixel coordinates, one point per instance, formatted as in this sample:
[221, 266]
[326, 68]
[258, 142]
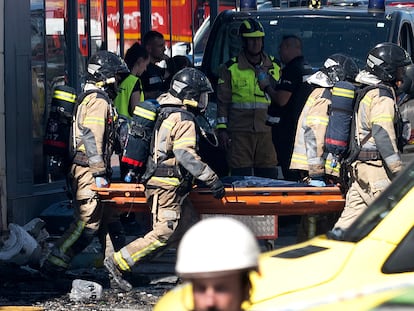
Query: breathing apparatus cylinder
[340, 117]
[57, 134]
[138, 142]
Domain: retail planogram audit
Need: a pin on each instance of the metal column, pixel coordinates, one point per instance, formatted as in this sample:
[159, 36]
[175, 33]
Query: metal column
[146, 25]
[72, 36]
[214, 8]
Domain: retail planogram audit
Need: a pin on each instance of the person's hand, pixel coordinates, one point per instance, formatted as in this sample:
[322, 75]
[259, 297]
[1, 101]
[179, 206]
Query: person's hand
[262, 78]
[218, 189]
[224, 139]
[101, 182]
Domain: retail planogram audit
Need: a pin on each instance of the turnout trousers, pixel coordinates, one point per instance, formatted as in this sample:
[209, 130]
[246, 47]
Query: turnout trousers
[172, 215]
[369, 179]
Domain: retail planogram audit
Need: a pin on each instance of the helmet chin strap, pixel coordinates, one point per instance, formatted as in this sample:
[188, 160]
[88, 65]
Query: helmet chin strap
[206, 130]
[190, 102]
[107, 81]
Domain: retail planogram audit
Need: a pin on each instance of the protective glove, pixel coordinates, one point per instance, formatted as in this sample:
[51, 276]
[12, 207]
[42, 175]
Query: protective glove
[218, 189]
[317, 182]
[101, 182]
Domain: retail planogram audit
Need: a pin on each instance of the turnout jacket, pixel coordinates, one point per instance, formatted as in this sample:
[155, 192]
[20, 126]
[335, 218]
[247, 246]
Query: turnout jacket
[376, 118]
[94, 132]
[242, 106]
[176, 146]
[308, 153]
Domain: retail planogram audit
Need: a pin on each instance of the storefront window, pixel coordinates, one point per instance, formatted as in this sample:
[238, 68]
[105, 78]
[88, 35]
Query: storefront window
[48, 70]
[96, 25]
[38, 86]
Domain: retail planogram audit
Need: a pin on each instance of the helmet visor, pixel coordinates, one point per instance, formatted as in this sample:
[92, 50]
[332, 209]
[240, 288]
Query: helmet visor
[203, 102]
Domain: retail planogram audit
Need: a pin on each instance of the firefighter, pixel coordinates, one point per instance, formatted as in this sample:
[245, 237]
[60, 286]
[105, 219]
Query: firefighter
[214, 259]
[171, 168]
[309, 155]
[242, 107]
[374, 152]
[93, 132]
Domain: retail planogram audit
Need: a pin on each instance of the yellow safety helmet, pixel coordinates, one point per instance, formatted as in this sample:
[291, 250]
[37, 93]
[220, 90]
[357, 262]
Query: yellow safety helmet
[251, 28]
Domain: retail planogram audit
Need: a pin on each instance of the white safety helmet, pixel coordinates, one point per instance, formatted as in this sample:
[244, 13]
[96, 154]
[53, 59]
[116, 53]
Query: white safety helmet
[217, 245]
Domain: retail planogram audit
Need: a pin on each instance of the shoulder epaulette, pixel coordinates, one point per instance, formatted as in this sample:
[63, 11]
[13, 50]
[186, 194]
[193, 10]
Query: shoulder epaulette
[274, 60]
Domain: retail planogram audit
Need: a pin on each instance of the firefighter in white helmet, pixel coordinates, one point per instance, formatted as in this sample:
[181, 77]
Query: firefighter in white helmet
[214, 259]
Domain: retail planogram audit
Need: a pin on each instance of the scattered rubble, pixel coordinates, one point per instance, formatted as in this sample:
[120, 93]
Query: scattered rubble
[23, 286]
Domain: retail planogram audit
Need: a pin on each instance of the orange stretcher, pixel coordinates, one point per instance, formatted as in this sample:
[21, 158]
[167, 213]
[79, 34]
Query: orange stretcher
[278, 201]
[257, 207]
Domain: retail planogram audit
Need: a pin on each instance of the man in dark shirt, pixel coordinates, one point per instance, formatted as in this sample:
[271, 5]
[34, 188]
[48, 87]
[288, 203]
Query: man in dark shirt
[288, 99]
[153, 79]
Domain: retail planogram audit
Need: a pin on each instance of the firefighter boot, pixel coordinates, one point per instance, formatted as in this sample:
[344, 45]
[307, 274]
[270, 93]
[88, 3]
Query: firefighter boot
[116, 275]
[336, 234]
[55, 263]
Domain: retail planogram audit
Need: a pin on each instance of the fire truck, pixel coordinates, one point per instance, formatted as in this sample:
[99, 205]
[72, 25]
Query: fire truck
[177, 20]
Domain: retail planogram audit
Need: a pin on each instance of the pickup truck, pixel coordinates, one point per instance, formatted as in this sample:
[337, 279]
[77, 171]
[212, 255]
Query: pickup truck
[352, 30]
[325, 31]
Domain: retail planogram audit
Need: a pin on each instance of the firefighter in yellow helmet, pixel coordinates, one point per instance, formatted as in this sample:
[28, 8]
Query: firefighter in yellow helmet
[214, 259]
[242, 106]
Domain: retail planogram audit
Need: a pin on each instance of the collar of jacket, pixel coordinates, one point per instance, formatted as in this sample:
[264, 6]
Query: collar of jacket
[169, 99]
[245, 64]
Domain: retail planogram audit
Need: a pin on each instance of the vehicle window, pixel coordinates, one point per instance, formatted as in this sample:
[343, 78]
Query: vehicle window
[402, 258]
[201, 36]
[321, 36]
[380, 208]
[406, 36]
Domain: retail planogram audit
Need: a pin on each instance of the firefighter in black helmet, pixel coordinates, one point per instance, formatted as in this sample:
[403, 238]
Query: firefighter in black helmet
[242, 106]
[171, 168]
[309, 155]
[374, 150]
[93, 134]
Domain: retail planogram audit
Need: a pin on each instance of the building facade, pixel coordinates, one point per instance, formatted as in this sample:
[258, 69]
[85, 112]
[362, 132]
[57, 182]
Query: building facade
[43, 43]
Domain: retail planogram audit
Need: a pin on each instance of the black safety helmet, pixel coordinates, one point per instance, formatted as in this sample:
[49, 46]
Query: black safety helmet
[189, 84]
[104, 65]
[340, 67]
[384, 60]
[407, 85]
[105, 68]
